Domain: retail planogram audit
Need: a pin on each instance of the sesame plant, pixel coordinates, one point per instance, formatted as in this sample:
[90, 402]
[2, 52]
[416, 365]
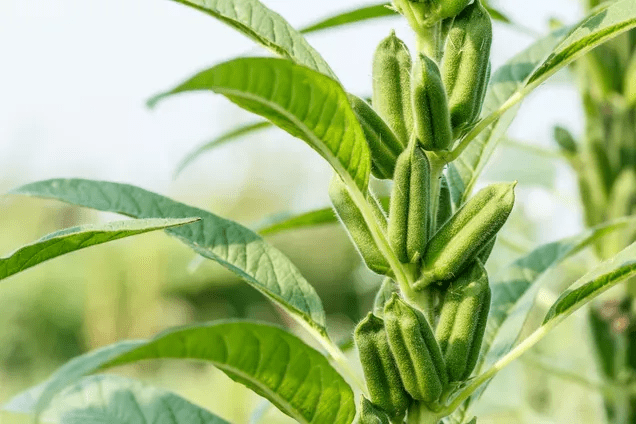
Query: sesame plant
[441, 327]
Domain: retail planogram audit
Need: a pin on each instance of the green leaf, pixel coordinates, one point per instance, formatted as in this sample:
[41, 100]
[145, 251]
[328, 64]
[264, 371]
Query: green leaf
[77, 238]
[600, 279]
[230, 244]
[520, 77]
[280, 223]
[303, 102]
[465, 170]
[219, 141]
[266, 27]
[364, 13]
[267, 359]
[112, 399]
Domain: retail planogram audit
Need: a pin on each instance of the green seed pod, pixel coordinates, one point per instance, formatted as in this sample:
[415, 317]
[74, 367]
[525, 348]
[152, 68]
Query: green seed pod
[465, 65]
[484, 253]
[383, 144]
[445, 203]
[466, 234]
[430, 106]
[370, 414]
[462, 321]
[380, 370]
[356, 226]
[565, 140]
[451, 8]
[410, 198]
[392, 86]
[416, 351]
[383, 295]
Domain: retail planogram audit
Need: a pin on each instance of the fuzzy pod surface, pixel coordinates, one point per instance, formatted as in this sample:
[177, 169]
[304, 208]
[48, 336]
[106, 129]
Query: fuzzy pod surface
[380, 369]
[409, 220]
[465, 235]
[356, 226]
[417, 354]
[370, 414]
[430, 106]
[462, 321]
[444, 204]
[383, 144]
[465, 67]
[452, 8]
[392, 86]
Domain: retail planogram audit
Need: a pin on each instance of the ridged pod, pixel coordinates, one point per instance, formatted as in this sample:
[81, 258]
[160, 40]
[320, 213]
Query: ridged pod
[392, 86]
[383, 144]
[409, 220]
[356, 226]
[430, 106]
[444, 204]
[462, 321]
[370, 414]
[380, 369]
[466, 66]
[416, 351]
[466, 234]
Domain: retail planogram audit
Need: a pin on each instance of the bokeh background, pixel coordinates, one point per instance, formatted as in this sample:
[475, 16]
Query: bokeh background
[74, 79]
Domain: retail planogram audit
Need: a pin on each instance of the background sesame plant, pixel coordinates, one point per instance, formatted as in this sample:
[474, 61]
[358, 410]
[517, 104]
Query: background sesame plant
[431, 247]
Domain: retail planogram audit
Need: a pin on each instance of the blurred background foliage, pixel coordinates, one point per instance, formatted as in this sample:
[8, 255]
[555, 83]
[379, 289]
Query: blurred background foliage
[137, 287]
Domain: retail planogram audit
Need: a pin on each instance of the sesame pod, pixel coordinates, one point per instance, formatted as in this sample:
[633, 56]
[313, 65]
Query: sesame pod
[370, 414]
[383, 144]
[462, 321]
[466, 234]
[408, 227]
[356, 226]
[484, 253]
[465, 64]
[380, 369]
[416, 351]
[565, 140]
[451, 8]
[445, 203]
[383, 295]
[392, 86]
[430, 106]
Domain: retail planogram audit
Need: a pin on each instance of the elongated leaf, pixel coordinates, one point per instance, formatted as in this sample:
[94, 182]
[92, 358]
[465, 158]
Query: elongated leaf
[465, 170]
[604, 23]
[303, 102]
[306, 220]
[267, 359]
[364, 13]
[224, 138]
[76, 238]
[230, 244]
[600, 279]
[266, 27]
[103, 399]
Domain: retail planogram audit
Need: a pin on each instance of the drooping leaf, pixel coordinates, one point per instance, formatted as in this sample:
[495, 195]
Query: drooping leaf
[511, 84]
[309, 219]
[303, 102]
[464, 171]
[264, 26]
[267, 359]
[77, 238]
[103, 399]
[235, 247]
[360, 14]
[224, 138]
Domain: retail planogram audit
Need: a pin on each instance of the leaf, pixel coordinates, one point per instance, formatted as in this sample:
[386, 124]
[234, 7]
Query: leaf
[274, 225]
[77, 238]
[303, 102]
[267, 359]
[112, 399]
[266, 27]
[230, 244]
[220, 141]
[600, 279]
[352, 16]
[464, 171]
[604, 23]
